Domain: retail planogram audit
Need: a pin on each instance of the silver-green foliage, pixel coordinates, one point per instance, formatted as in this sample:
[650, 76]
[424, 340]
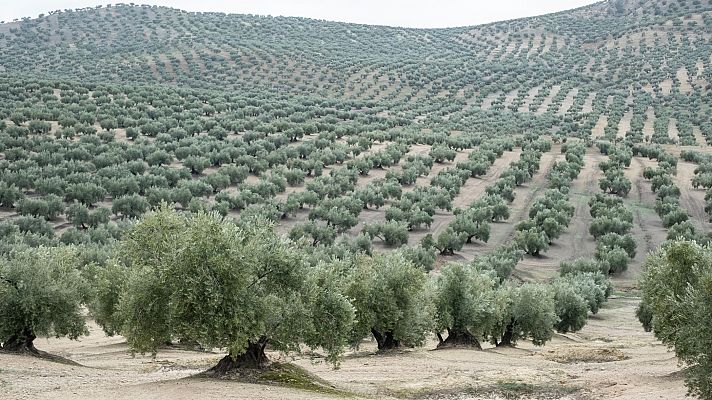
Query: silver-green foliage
[391, 301]
[466, 302]
[677, 305]
[41, 294]
[204, 279]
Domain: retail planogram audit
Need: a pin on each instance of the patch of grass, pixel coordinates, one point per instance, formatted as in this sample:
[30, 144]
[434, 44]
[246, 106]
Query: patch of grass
[515, 389]
[297, 377]
[505, 388]
[286, 375]
[586, 355]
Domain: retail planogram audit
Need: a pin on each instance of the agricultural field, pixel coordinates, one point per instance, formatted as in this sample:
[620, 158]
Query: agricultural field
[234, 206]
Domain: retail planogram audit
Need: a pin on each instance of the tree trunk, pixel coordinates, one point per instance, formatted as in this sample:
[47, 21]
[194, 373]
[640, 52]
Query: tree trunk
[461, 338]
[21, 343]
[254, 357]
[385, 340]
[507, 337]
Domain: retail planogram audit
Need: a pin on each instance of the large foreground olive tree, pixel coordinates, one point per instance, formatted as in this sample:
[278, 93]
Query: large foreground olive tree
[677, 306]
[200, 278]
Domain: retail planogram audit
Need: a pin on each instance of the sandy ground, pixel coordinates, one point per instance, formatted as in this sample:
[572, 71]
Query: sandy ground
[598, 130]
[624, 124]
[692, 200]
[611, 358]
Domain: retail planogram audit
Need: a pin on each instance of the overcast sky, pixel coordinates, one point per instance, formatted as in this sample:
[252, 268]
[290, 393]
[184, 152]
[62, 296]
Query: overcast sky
[408, 13]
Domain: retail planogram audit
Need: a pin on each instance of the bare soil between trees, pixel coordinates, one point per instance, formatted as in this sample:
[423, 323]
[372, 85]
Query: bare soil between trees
[611, 358]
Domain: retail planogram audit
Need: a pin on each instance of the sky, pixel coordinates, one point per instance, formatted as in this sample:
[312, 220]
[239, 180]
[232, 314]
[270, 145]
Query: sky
[406, 13]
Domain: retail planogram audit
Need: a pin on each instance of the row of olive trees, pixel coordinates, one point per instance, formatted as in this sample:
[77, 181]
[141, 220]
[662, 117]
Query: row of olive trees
[614, 180]
[667, 202]
[610, 227]
[473, 221]
[203, 279]
[612, 221]
[551, 212]
[703, 175]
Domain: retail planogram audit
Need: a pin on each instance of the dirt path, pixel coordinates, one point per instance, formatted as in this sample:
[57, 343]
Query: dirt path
[544, 106]
[699, 138]
[529, 98]
[567, 102]
[599, 129]
[648, 230]
[624, 124]
[673, 133]
[475, 187]
[649, 124]
[575, 241]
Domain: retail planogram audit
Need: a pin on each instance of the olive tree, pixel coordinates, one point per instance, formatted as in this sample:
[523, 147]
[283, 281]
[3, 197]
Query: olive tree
[388, 293]
[9, 194]
[130, 206]
[571, 308]
[47, 207]
[533, 241]
[86, 192]
[392, 233]
[473, 222]
[449, 241]
[318, 233]
[41, 294]
[196, 164]
[528, 312]
[613, 240]
[207, 280]
[677, 303]
[616, 258]
[607, 224]
[465, 305]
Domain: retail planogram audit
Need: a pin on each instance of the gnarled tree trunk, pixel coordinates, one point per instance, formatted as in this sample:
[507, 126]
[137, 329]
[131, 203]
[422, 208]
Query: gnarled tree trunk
[253, 357]
[456, 337]
[385, 340]
[21, 343]
[507, 337]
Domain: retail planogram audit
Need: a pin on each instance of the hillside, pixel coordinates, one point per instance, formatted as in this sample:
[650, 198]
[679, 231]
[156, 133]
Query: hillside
[617, 45]
[551, 154]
